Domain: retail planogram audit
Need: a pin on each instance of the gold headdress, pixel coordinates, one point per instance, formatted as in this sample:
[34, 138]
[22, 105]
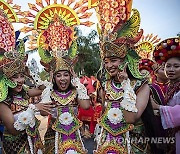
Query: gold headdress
[54, 24]
[145, 48]
[119, 32]
[11, 61]
[17, 66]
[109, 49]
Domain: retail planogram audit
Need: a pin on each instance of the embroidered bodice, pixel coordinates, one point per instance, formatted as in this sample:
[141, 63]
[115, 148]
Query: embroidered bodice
[114, 91]
[158, 91]
[63, 99]
[112, 119]
[19, 104]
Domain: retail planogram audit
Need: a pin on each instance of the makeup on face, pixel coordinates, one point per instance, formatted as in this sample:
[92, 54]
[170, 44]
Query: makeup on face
[112, 65]
[19, 79]
[62, 79]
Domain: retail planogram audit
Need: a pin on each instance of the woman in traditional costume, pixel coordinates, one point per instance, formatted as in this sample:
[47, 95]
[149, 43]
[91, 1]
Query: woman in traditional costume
[67, 93]
[169, 51]
[125, 92]
[17, 114]
[57, 48]
[157, 79]
[63, 134]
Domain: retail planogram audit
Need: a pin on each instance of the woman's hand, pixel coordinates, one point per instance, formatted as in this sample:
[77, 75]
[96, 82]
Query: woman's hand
[122, 75]
[46, 107]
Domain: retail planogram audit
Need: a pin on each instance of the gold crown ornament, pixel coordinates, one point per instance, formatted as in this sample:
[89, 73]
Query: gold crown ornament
[109, 49]
[119, 31]
[61, 64]
[17, 66]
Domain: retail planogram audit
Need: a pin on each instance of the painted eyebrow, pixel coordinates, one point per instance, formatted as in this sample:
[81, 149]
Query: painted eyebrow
[113, 58]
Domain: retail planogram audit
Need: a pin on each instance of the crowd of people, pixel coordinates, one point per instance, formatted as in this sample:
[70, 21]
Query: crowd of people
[132, 105]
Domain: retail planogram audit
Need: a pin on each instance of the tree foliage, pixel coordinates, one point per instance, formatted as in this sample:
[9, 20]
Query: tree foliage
[88, 54]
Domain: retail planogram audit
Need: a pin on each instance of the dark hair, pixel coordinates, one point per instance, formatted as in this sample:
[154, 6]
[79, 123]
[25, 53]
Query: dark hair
[178, 58]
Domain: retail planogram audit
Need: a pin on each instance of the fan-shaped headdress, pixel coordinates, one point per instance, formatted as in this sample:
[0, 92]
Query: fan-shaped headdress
[145, 48]
[119, 32]
[54, 26]
[12, 52]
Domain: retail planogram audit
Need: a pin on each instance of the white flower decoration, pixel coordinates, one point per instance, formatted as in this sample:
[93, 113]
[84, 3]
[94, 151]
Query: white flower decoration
[27, 118]
[19, 126]
[66, 118]
[115, 115]
[71, 152]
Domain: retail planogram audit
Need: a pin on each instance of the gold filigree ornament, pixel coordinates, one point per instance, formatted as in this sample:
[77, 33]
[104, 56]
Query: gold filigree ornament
[63, 101]
[146, 46]
[70, 13]
[115, 95]
[21, 102]
[110, 49]
[11, 69]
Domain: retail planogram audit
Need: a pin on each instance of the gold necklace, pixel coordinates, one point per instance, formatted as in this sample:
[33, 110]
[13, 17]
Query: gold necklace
[63, 100]
[21, 102]
[113, 91]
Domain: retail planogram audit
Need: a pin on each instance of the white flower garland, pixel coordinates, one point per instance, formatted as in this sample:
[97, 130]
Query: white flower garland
[56, 142]
[30, 144]
[24, 119]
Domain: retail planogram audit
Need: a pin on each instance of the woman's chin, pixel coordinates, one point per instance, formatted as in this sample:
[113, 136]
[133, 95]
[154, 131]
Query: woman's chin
[63, 88]
[113, 74]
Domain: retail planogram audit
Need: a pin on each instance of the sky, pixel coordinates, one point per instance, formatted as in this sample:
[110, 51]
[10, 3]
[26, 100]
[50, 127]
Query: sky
[160, 17]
